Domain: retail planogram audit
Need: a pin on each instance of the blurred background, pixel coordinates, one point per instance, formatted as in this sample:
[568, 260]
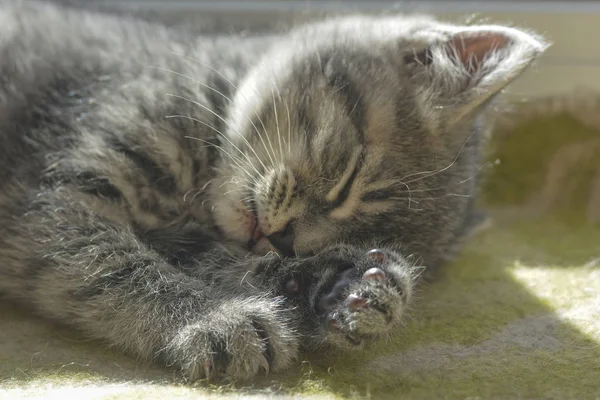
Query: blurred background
[571, 64]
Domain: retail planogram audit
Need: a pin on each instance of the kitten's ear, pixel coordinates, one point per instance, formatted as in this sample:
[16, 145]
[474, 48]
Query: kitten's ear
[469, 65]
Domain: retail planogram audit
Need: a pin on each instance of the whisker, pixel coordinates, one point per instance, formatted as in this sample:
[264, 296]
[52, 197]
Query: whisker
[224, 96]
[409, 194]
[431, 198]
[432, 173]
[185, 195]
[446, 195]
[277, 120]
[289, 129]
[404, 198]
[239, 186]
[220, 133]
[208, 144]
[197, 191]
[319, 59]
[248, 200]
[238, 161]
[236, 189]
[220, 118]
[260, 136]
[193, 80]
[410, 201]
[482, 166]
[337, 90]
[269, 140]
[442, 187]
[237, 89]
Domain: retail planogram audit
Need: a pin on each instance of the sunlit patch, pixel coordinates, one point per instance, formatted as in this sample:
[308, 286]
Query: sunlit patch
[573, 292]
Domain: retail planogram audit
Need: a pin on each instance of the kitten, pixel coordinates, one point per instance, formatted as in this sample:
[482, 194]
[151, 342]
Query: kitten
[220, 203]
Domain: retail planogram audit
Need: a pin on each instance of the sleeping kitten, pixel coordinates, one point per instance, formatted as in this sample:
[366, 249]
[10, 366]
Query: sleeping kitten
[220, 203]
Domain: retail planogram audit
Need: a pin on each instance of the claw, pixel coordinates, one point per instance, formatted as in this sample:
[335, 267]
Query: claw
[207, 365]
[264, 364]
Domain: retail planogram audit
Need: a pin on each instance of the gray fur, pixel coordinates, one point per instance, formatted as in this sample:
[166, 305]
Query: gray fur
[134, 156]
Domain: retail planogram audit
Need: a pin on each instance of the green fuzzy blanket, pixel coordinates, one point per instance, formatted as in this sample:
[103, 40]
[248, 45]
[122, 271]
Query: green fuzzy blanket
[516, 316]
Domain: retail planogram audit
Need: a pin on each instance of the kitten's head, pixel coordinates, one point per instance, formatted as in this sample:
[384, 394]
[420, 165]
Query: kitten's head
[362, 128]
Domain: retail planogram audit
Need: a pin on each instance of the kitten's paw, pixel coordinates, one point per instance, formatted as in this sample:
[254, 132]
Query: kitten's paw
[242, 339]
[366, 298]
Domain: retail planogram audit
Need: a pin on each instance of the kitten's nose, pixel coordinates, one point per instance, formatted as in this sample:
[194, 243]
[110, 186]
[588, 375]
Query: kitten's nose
[283, 240]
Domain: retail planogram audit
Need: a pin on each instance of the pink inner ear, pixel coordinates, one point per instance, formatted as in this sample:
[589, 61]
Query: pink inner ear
[472, 48]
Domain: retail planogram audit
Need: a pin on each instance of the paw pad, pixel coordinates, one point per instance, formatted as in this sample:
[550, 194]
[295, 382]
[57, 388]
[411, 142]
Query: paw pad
[374, 274]
[356, 302]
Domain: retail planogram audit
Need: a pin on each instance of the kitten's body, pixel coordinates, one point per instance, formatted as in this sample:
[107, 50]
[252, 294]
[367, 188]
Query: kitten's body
[133, 159]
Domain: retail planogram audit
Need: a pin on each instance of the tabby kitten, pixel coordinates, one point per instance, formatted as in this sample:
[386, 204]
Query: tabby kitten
[220, 203]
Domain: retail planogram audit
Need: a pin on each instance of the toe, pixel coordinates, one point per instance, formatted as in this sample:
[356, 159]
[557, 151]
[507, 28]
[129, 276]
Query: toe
[356, 302]
[374, 274]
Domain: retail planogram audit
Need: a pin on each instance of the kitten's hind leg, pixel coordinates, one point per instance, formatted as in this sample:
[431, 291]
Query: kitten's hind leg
[78, 268]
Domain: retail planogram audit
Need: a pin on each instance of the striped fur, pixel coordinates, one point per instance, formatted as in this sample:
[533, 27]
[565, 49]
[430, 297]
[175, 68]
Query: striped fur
[137, 160]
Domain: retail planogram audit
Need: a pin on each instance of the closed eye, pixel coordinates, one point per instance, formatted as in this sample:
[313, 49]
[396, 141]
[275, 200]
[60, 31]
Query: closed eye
[345, 190]
[340, 192]
[377, 195]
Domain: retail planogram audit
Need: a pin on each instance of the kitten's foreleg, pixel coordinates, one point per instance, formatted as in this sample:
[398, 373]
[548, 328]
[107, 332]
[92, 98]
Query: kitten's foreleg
[76, 267]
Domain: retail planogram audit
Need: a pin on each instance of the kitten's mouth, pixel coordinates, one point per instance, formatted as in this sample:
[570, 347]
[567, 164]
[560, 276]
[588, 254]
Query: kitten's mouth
[255, 233]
